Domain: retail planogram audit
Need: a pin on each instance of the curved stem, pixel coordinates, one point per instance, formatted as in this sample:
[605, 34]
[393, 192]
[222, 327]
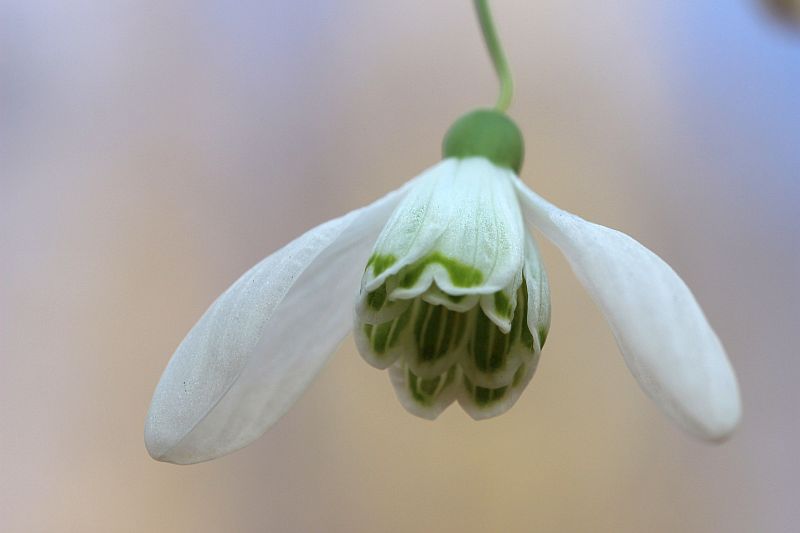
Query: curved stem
[496, 53]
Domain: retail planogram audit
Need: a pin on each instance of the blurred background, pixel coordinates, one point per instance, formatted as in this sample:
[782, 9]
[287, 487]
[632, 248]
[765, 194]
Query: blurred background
[150, 152]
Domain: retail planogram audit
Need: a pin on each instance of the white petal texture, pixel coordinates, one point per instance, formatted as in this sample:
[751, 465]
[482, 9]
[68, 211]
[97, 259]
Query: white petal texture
[661, 331]
[260, 344]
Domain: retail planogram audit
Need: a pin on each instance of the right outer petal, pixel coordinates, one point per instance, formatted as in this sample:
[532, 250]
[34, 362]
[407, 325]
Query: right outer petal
[661, 331]
[261, 343]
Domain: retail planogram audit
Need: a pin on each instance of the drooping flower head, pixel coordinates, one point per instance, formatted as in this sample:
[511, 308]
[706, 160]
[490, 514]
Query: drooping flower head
[454, 299]
[442, 284]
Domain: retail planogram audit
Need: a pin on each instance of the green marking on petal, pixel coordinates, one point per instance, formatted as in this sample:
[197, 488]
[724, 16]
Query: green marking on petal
[422, 310]
[500, 349]
[490, 346]
[461, 326]
[384, 336]
[428, 386]
[426, 391]
[522, 310]
[461, 274]
[494, 354]
[480, 341]
[542, 330]
[483, 396]
[381, 262]
[519, 318]
[411, 381]
[428, 341]
[437, 330]
[377, 298]
[380, 337]
[527, 337]
[450, 329]
[399, 325]
[502, 304]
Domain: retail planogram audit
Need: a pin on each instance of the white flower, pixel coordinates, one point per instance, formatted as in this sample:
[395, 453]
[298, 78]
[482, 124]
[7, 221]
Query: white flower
[454, 298]
[454, 302]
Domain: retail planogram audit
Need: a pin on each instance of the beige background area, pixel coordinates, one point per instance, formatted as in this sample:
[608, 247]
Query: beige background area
[152, 151]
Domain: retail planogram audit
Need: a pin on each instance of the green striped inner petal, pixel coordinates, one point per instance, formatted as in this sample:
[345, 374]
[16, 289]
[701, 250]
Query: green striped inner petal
[493, 356]
[542, 330]
[427, 391]
[442, 346]
[488, 346]
[377, 298]
[488, 397]
[484, 396]
[378, 302]
[383, 337]
[437, 331]
[502, 304]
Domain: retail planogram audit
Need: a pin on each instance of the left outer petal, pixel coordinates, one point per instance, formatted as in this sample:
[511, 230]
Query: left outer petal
[663, 334]
[260, 344]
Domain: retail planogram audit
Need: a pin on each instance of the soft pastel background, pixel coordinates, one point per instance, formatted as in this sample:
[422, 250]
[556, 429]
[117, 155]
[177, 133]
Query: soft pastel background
[152, 151]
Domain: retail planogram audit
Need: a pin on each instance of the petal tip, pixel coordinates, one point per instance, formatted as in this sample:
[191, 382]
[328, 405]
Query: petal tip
[158, 442]
[164, 445]
[156, 446]
[725, 422]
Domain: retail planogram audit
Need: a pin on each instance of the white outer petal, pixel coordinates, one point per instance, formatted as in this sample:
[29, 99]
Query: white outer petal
[260, 344]
[663, 334]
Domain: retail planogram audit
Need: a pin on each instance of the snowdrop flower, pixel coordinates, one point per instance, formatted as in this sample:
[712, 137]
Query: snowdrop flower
[454, 302]
[442, 283]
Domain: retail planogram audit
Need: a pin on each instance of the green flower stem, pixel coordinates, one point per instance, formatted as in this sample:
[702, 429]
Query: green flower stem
[496, 53]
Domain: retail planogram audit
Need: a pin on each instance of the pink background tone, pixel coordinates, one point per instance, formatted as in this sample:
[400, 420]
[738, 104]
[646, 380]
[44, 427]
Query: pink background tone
[150, 152]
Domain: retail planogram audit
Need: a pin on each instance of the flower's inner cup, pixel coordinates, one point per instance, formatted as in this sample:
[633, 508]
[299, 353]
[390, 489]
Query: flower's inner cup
[454, 299]
[441, 347]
